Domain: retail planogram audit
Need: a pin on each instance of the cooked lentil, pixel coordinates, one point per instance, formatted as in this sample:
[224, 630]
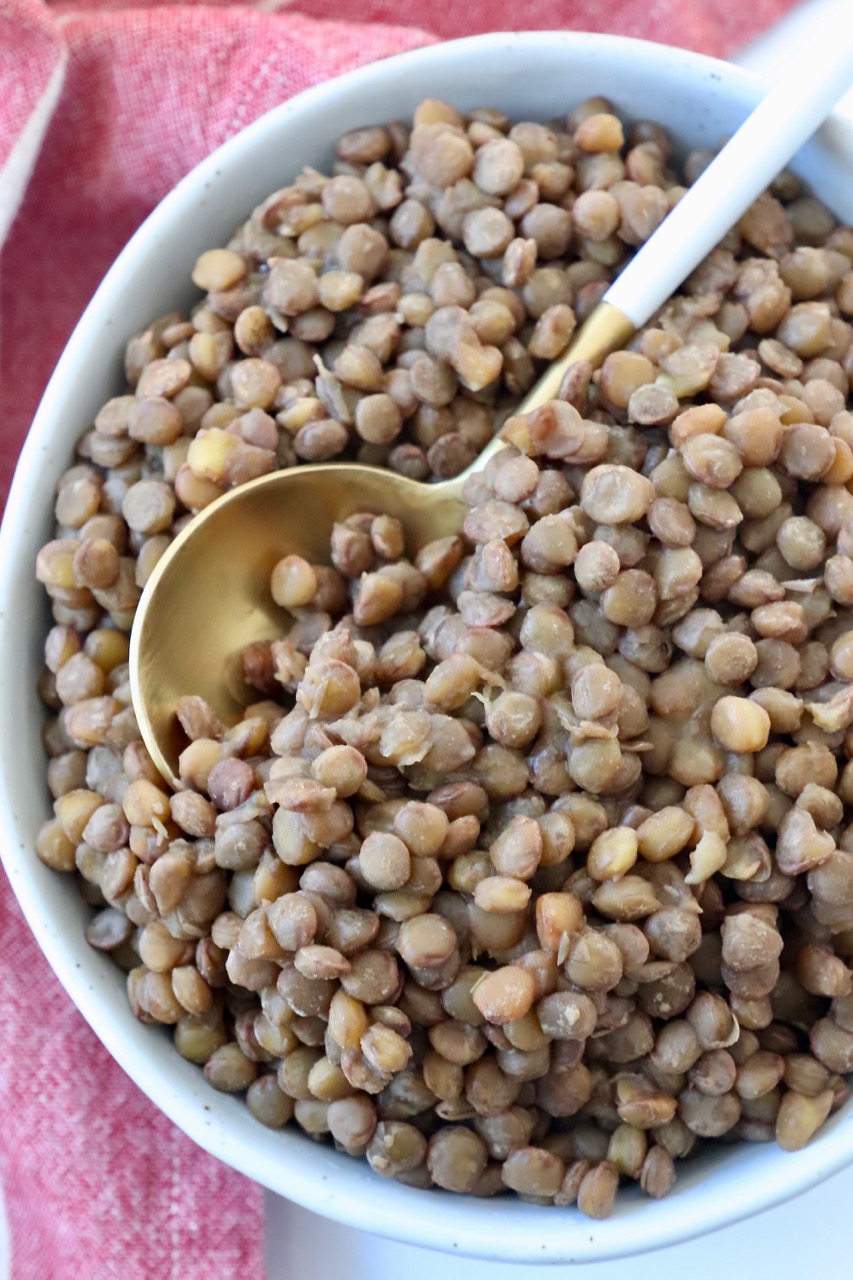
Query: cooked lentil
[528, 865]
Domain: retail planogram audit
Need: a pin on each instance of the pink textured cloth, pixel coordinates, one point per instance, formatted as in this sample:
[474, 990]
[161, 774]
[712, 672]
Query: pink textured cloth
[102, 109]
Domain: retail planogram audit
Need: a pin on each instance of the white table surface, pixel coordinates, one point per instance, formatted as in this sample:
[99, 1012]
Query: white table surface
[809, 1236]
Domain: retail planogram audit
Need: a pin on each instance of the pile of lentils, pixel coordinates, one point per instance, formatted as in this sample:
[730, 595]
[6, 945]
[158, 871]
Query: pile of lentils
[529, 866]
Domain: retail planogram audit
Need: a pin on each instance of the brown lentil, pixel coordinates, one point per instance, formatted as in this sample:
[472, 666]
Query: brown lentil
[548, 801]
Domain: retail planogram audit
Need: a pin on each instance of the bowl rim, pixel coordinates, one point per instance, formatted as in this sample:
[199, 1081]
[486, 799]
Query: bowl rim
[401, 1213]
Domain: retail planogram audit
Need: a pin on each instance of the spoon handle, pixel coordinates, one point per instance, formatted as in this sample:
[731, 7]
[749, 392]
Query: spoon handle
[784, 119]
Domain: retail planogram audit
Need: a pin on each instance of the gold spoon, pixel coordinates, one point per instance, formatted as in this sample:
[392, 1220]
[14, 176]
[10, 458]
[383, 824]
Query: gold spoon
[209, 595]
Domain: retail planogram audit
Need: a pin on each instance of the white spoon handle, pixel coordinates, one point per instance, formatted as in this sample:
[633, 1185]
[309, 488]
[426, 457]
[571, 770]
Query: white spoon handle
[762, 146]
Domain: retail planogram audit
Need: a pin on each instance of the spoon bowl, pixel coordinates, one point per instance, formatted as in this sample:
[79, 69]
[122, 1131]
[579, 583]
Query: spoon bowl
[210, 596]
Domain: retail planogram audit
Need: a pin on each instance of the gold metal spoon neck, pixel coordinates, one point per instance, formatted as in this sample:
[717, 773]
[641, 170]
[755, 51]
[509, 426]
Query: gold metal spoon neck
[606, 329]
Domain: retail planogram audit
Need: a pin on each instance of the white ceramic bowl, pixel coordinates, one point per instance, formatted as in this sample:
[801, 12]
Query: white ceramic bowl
[530, 76]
